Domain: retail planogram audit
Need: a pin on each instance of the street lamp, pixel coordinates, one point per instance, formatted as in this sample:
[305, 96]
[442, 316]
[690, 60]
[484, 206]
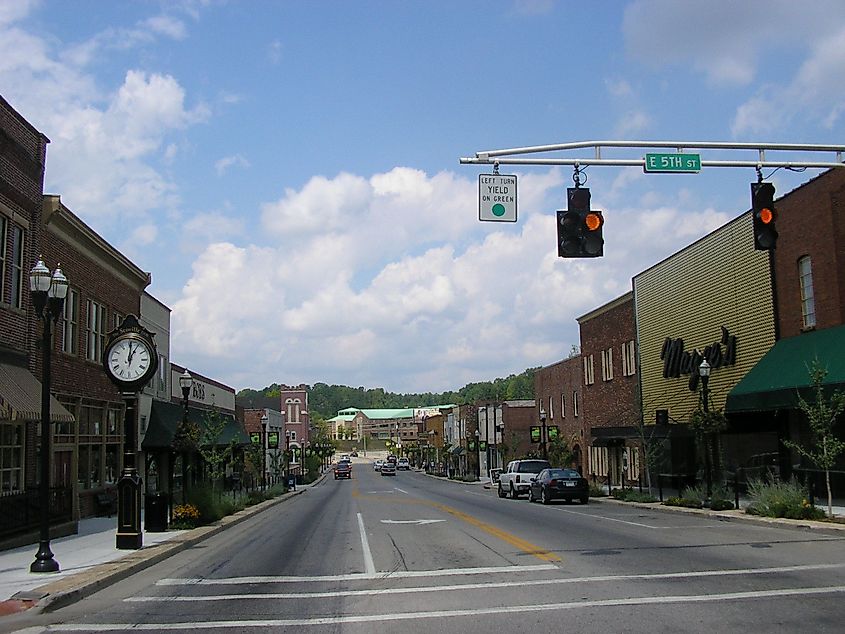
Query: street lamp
[477, 455]
[264, 420]
[704, 373]
[48, 292]
[543, 432]
[185, 382]
[287, 457]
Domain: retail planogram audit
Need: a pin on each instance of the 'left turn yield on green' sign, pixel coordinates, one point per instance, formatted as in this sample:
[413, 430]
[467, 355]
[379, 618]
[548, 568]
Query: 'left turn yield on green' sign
[497, 197]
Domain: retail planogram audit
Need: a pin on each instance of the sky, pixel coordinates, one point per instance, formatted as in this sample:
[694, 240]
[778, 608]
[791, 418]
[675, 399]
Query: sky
[289, 173]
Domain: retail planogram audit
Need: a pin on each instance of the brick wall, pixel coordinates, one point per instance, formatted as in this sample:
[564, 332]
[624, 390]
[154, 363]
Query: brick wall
[615, 402]
[811, 221]
[555, 387]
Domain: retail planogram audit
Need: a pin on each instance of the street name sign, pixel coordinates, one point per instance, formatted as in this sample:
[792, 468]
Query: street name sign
[674, 163]
[497, 197]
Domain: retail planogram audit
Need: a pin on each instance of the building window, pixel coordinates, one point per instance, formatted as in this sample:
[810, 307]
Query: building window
[551, 408]
[70, 322]
[629, 362]
[162, 373]
[598, 461]
[808, 302]
[96, 331]
[589, 371]
[563, 405]
[117, 319]
[16, 264]
[575, 404]
[4, 230]
[11, 458]
[607, 364]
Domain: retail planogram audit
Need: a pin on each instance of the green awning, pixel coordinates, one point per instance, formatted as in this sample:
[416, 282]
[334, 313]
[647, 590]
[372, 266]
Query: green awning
[783, 373]
[166, 417]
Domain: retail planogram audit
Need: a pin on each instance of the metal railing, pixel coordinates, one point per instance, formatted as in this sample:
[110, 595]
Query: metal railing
[21, 512]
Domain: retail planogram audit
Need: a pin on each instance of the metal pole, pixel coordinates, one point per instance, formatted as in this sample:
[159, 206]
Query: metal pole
[44, 561]
[707, 439]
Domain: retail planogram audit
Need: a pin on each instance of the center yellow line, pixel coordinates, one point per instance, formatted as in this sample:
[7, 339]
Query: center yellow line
[525, 546]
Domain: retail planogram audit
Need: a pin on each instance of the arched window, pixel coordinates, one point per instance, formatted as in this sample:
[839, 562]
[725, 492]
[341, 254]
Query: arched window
[808, 302]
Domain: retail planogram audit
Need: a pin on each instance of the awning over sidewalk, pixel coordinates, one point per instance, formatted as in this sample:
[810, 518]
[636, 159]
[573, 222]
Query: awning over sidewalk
[784, 372]
[604, 436]
[165, 419]
[20, 397]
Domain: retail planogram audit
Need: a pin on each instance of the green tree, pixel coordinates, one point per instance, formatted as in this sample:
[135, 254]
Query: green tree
[559, 451]
[216, 456]
[822, 414]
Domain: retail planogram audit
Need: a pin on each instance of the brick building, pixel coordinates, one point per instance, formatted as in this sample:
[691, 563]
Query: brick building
[558, 394]
[610, 409]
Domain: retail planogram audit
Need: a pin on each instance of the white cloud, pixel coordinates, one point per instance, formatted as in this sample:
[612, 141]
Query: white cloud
[383, 300]
[274, 51]
[226, 162]
[723, 39]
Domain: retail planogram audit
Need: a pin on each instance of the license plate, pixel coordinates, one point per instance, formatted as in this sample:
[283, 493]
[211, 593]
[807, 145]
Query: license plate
[569, 484]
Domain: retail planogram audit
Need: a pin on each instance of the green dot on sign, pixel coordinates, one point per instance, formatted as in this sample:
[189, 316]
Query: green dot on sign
[498, 209]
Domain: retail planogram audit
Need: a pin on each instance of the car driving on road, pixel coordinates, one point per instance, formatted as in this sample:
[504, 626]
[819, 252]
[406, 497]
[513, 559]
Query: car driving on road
[388, 468]
[403, 464]
[343, 469]
[559, 484]
[377, 465]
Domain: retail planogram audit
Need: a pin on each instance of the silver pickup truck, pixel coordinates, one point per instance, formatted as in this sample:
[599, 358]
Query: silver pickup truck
[516, 479]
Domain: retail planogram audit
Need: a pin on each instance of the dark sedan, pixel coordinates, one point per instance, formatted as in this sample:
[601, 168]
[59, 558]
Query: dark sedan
[559, 484]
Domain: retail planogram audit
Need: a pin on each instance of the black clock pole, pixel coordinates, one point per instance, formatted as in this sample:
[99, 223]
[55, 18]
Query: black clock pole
[129, 535]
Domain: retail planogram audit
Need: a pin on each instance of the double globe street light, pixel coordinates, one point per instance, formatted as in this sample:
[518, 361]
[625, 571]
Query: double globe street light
[48, 291]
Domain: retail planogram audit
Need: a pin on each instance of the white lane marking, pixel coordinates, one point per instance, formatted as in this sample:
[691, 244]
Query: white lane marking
[398, 574]
[369, 566]
[402, 490]
[488, 585]
[411, 521]
[610, 519]
[438, 614]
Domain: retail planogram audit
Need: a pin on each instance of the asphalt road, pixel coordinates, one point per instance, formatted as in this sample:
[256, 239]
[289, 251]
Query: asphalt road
[416, 554]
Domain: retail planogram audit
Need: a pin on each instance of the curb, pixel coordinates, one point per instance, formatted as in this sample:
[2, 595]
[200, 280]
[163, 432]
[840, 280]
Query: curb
[734, 515]
[73, 588]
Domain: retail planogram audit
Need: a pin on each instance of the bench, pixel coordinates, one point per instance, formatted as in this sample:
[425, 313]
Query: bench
[106, 502]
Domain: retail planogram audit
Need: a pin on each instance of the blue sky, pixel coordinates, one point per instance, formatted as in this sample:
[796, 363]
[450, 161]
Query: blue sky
[288, 171]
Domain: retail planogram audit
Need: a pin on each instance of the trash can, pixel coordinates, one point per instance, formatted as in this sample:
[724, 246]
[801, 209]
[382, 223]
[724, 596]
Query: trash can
[155, 512]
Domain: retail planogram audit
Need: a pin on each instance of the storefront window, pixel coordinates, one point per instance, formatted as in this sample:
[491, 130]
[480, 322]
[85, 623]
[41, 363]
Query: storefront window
[112, 463]
[84, 467]
[11, 458]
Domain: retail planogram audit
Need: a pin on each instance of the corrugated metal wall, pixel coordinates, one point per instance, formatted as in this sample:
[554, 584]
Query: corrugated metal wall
[721, 280]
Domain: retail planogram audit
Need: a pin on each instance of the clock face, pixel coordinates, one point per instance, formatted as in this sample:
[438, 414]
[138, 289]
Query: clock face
[129, 360]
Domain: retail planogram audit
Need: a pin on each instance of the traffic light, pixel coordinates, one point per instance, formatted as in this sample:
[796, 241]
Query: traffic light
[764, 214]
[579, 229]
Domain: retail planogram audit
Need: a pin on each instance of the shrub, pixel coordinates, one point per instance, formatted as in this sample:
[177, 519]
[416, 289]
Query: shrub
[721, 505]
[597, 491]
[185, 516]
[781, 499]
[682, 501]
[632, 495]
[208, 502]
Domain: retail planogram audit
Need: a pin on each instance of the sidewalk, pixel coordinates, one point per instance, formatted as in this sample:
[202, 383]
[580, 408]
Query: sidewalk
[89, 560]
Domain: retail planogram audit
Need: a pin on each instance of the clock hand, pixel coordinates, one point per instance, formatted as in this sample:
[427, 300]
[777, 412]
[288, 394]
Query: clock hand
[131, 352]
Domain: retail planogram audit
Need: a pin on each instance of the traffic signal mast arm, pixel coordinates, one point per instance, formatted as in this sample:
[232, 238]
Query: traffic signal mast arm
[507, 156]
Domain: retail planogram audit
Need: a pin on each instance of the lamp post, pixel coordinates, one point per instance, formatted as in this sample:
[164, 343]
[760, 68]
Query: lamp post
[287, 457]
[477, 454]
[543, 433]
[185, 382]
[264, 420]
[704, 373]
[48, 292]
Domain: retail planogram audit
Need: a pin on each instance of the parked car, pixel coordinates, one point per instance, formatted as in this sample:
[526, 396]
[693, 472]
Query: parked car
[559, 484]
[403, 464]
[388, 468]
[343, 469]
[378, 464]
[516, 478]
